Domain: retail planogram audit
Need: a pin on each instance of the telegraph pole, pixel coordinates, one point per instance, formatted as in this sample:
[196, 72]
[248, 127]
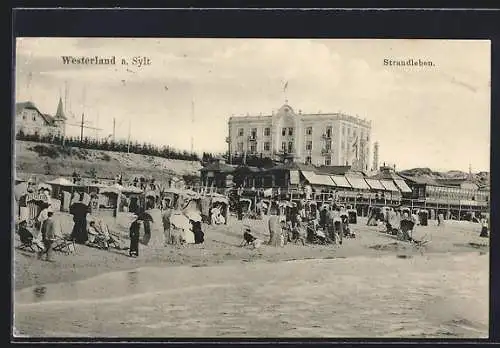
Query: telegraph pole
[128, 141]
[97, 125]
[82, 125]
[81, 128]
[228, 141]
[28, 84]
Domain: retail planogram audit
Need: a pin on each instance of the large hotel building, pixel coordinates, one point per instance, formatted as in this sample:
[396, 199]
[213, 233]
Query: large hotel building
[330, 139]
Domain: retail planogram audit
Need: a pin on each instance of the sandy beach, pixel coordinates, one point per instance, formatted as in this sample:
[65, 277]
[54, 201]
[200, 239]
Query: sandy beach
[222, 246]
[222, 290]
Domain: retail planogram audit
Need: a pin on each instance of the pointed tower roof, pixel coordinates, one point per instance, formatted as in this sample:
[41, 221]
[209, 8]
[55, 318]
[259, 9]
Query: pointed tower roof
[60, 111]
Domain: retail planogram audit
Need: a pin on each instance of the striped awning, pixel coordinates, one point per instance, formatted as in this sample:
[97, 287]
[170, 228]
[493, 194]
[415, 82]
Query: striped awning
[323, 180]
[319, 180]
[357, 182]
[308, 175]
[340, 181]
[401, 184]
[389, 185]
[375, 184]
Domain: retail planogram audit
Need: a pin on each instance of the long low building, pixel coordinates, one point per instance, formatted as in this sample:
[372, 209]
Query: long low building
[294, 175]
[386, 187]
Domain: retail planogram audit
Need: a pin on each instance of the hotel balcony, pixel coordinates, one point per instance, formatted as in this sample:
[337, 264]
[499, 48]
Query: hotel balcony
[326, 152]
[326, 136]
[252, 138]
[285, 153]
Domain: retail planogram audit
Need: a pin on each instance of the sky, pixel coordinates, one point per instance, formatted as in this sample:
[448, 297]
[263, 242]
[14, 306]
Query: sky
[436, 117]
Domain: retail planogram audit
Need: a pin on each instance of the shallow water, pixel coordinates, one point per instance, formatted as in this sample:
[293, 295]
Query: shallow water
[423, 296]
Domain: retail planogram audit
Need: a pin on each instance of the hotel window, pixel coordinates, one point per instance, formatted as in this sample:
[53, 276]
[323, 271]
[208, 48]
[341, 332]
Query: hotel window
[328, 162]
[24, 117]
[283, 146]
[267, 146]
[343, 130]
[254, 133]
[253, 148]
[328, 146]
[309, 145]
[240, 147]
[283, 131]
[267, 132]
[34, 118]
[290, 147]
[309, 130]
[308, 160]
[290, 131]
[329, 132]
[240, 132]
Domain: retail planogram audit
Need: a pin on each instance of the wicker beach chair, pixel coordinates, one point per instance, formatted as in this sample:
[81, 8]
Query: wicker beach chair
[64, 245]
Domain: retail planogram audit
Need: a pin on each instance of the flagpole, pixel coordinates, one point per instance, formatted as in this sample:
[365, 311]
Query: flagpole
[285, 88]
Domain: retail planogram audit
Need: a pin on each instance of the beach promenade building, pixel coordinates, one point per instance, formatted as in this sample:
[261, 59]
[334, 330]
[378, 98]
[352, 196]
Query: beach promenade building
[328, 139]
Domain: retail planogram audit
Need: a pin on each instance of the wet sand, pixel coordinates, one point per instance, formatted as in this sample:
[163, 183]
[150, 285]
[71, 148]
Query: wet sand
[430, 296]
[222, 247]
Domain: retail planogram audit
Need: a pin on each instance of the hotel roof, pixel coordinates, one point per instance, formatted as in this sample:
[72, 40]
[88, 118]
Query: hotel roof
[287, 108]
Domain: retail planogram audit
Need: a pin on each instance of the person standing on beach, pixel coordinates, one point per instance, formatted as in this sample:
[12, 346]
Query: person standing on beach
[239, 208]
[484, 228]
[135, 227]
[48, 236]
[79, 210]
[323, 215]
[42, 216]
[334, 225]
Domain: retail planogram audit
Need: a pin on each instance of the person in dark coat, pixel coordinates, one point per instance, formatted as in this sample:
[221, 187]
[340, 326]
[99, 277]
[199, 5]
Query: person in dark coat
[239, 208]
[79, 212]
[199, 236]
[323, 215]
[135, 227]
[134, 205]
[294, 212]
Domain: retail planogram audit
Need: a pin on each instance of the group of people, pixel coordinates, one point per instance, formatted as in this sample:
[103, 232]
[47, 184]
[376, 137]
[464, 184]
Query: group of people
[45, 234]
[144, 184]
[299, 222]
